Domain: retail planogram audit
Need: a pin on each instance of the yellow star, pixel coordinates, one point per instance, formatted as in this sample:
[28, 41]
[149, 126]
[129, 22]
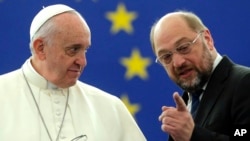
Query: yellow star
[133, 108]
[136, 65]
[121, 19]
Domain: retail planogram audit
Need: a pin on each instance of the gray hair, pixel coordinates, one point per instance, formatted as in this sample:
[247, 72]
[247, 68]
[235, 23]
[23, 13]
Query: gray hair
[48, 30]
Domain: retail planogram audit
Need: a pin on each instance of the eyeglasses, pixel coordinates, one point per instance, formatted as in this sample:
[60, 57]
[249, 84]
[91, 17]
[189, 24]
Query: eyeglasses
[184, 48]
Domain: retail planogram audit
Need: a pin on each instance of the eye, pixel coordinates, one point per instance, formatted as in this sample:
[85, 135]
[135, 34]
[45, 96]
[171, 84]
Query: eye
[183, 48]
[165, 57]
[71, 51]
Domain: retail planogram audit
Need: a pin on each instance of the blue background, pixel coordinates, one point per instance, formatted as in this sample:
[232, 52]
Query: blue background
[228, 21]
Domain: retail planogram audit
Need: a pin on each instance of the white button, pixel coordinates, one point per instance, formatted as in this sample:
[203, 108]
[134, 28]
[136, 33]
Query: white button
[58, 125]
[56, 101]
[58, 113]
[62, 137]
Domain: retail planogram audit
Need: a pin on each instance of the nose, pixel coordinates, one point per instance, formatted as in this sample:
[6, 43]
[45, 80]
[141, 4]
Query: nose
[81, 59]
[177, 60]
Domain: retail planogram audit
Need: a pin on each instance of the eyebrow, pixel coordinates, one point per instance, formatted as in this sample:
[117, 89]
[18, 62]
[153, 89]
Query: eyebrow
[181, 40]
[176, 44]
[76, 45]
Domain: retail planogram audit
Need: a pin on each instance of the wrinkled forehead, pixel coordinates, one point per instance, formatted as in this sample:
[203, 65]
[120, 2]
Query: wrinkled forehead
[169, 31]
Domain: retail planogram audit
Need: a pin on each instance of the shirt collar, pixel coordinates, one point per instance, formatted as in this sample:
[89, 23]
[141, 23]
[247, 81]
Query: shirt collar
[215, 64]
[35, 78]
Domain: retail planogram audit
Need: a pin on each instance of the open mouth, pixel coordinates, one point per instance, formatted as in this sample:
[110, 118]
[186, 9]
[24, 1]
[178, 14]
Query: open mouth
[186, 73]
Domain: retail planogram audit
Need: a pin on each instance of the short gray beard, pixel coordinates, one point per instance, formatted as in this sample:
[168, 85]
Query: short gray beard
[202, 77]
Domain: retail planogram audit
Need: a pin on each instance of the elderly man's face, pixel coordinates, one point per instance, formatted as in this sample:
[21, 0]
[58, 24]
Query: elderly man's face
[190, 71]
[66, 55]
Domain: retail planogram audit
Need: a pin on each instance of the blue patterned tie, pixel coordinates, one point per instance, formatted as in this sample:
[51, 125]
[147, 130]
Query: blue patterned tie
[195, 102]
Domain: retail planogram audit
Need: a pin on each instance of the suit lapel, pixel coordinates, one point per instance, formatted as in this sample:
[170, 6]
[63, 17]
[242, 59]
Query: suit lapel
[214, 88]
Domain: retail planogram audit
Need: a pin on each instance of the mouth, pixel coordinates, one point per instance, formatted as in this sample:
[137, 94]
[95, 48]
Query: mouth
[185, 73]
[75, 72]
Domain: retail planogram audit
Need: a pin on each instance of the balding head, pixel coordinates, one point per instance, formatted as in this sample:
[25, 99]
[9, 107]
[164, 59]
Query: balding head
[175, 23]
[185, 48]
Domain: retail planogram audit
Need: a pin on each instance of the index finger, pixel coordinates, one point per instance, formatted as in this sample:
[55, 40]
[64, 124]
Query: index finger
[180, 104]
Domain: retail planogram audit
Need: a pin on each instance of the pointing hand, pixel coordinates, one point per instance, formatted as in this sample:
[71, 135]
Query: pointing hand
[180, 104]
[177, 121]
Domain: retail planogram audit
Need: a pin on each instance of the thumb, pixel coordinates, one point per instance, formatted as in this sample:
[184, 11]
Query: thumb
[180, 104]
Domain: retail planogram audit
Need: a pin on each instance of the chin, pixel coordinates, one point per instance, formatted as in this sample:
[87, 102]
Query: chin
[69, 84]
[190, 85]
[72, 83]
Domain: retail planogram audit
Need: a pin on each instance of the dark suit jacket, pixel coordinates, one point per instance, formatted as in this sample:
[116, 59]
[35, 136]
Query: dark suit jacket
[225, 103]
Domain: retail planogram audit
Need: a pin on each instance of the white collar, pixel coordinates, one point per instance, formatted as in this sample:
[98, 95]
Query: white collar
[35, 78]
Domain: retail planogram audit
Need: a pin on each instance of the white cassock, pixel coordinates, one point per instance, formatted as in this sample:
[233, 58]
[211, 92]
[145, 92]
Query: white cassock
[90, 111]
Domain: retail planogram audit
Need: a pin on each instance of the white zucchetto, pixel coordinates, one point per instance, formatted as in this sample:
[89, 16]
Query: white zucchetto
[45, 14]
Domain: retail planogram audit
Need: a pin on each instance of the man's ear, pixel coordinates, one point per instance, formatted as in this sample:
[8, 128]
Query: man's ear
[38, 47]
[209, 39]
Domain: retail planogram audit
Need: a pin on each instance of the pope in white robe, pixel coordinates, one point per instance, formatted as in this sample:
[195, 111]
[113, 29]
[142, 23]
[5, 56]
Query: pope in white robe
[45, 101]
[90, 111]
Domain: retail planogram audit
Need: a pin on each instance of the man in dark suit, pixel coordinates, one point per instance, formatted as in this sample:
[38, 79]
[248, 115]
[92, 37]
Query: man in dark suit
[185, 48]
